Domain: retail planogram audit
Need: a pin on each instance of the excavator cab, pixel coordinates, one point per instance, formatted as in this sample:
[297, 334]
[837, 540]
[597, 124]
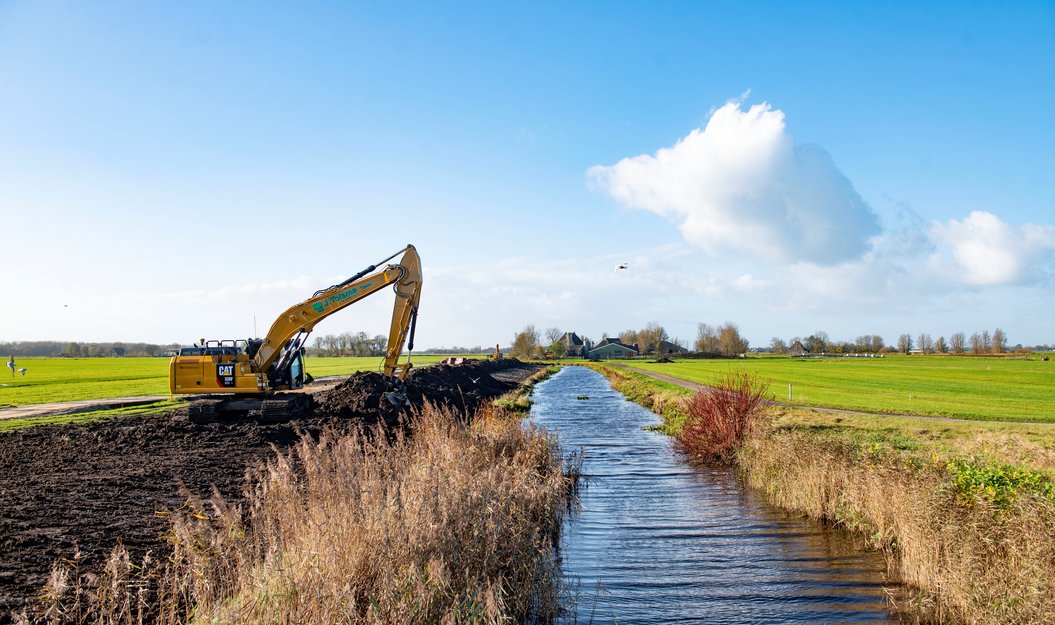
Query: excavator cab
[296, 371]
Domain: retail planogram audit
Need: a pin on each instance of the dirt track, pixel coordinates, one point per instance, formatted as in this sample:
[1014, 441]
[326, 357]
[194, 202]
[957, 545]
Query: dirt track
[89, 486]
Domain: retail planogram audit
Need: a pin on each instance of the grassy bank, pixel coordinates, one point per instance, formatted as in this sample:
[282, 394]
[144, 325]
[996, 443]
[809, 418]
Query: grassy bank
[965, 510]
[456, 523]
[666, 400]
[518, 401]
[966, 387]
[158, 407]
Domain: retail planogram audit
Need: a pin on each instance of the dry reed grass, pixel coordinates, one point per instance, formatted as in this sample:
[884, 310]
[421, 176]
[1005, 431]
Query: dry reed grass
[967, 529]
[454, 524]
[973, 558]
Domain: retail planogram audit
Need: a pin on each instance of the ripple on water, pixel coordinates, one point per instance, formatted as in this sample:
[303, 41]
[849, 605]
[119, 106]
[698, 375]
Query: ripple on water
[656, 541]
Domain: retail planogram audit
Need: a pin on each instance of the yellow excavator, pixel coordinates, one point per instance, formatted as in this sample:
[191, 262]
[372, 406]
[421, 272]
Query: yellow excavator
[243, 376]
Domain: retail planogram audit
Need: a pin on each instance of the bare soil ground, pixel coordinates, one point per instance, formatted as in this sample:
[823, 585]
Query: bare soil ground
[89, 486]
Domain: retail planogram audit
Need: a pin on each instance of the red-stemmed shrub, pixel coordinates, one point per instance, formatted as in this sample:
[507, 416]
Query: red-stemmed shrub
[719, 417]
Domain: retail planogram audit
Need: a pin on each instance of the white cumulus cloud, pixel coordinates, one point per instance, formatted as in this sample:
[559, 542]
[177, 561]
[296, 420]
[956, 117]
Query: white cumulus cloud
[987, 251]
[742, 183]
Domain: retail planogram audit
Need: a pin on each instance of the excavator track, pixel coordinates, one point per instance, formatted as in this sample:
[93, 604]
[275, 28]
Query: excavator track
[281, 408]
[277, 408]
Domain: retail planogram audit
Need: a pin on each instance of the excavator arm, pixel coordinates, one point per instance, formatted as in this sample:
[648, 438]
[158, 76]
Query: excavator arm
[290, 330]
[275, 362]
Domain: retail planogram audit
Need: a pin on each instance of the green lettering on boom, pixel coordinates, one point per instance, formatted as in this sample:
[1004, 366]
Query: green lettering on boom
[340, 297]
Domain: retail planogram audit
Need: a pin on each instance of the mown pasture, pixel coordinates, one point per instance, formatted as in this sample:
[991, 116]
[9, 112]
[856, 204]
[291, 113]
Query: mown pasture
[965, 387]
[71, 379]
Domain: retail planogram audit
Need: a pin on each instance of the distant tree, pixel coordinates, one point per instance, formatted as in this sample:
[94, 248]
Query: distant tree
[526, 343]
[958, 342]
[552, 334]
[73, 350]
[629, 337]
[904, 343]
[925, 343]
[649, 339]
[379, 344]
[706, 339]
[808, 343]
[778, 346]
[999, 341]
[987, 341]
[941, 346]
[976, 343]
[820, 341]
[557, 348]
[729, 340]
[877, 344]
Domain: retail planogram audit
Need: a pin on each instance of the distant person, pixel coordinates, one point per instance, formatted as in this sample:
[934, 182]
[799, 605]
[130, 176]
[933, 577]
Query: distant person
[11, 365]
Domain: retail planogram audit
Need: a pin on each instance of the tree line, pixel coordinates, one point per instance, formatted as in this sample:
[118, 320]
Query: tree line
[958, 343]
[724, 340]
[75, 349]
[349, 344]
[977, 343]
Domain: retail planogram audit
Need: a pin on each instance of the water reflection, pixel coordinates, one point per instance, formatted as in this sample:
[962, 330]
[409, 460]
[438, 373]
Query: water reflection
[656, 541]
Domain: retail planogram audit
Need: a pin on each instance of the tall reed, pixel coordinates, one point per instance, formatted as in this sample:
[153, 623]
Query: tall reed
[966, 554]
[453, 524]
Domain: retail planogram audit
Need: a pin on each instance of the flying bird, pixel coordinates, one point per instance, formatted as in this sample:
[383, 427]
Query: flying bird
[475, 380]
[623, 266]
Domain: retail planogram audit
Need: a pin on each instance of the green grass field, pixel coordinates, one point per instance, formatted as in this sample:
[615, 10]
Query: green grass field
[997, 389]
[70, 379]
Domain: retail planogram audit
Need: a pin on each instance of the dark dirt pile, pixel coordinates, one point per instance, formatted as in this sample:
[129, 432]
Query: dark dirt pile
[371, 397]
[90, 486]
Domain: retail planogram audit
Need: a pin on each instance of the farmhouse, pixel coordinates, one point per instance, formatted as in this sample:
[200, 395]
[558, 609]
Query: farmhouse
[667, 348]
[573, 345]
[611, 348]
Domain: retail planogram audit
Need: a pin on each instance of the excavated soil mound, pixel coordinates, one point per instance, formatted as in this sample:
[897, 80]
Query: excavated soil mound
[90, 486]
[364, 396]
[371, 396]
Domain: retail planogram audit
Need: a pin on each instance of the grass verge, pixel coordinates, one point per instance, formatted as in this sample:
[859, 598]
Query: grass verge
[159, 407]
[965, 511]
[664, 399]
[518, 401]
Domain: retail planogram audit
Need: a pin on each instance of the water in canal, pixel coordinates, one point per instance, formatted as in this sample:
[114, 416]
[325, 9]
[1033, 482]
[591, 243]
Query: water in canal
[656, 541]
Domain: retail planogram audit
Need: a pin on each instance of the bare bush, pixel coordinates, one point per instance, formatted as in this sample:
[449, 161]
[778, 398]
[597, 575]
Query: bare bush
[720, 417]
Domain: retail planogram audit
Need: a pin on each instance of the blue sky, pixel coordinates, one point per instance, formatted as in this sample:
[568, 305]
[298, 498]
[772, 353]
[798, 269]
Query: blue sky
[168, 173]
